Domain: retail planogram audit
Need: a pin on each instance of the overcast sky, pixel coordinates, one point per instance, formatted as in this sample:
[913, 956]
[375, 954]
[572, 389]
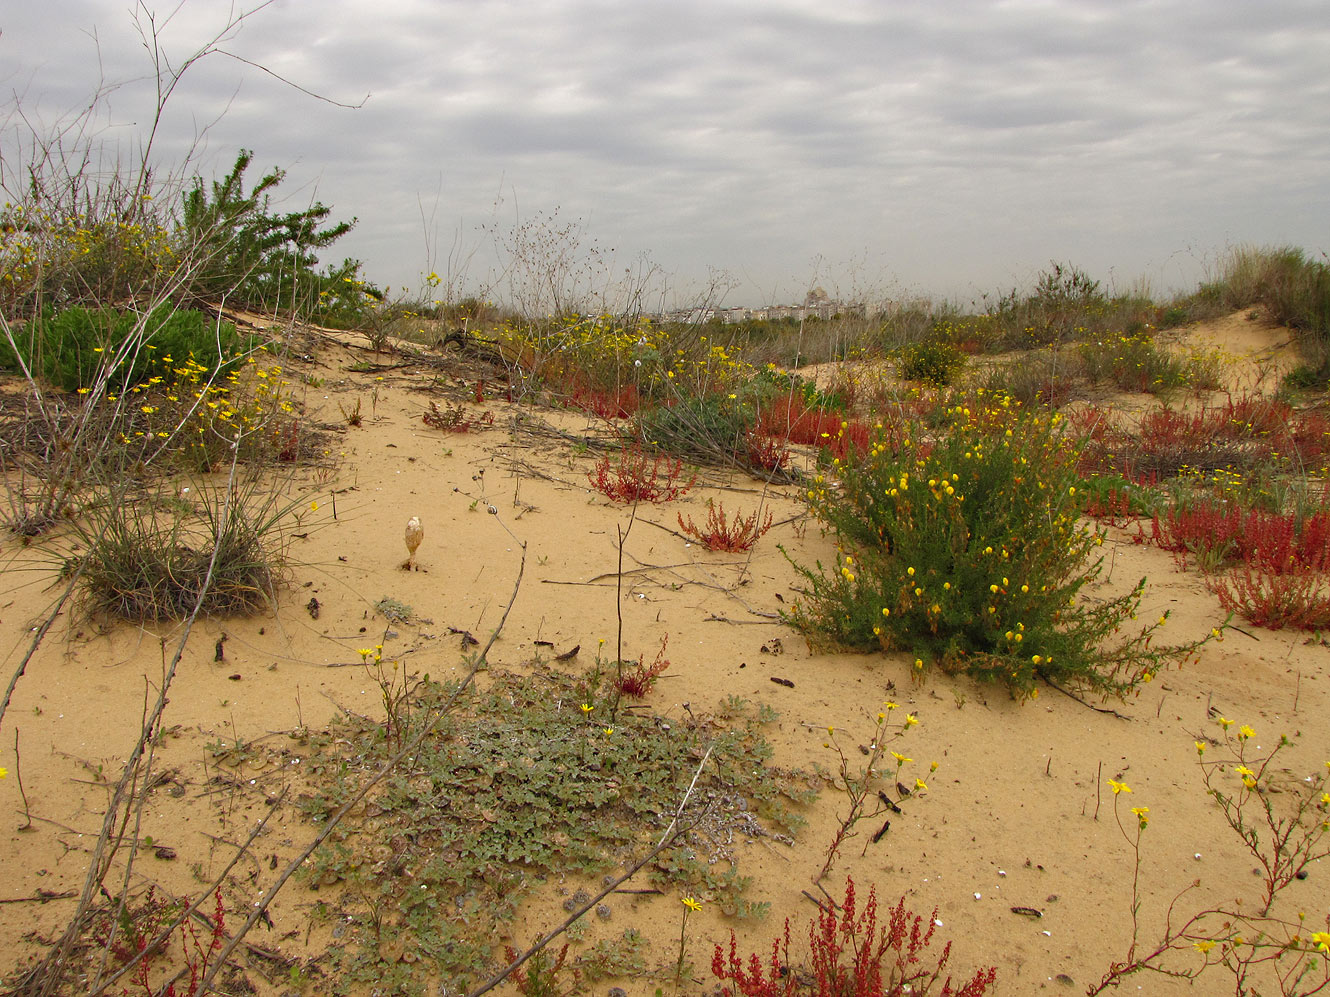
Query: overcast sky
[938, 148]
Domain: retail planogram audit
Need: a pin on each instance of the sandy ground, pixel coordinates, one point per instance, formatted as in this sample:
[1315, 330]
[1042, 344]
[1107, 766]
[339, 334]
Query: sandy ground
[1018, 814]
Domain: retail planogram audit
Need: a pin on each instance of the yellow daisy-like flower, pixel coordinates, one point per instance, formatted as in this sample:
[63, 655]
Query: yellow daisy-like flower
[910, 720]
[1203, 946]
[920, 784]
[1245, 732]
[1142, 814]
[889, 705]
[587, 707]
[1321, 939]
[1119, 787]
[692, 903]
[900, 759]
[1200, 747]
[609, 730]
[4, 772]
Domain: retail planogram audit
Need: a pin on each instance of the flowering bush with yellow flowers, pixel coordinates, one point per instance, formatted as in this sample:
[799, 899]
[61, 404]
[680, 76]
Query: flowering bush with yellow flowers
[204, 416]
[50, 254]
[959, 541]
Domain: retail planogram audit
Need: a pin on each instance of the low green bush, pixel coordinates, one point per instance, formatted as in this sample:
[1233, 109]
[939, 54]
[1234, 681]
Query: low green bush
[78, 347]
[962, 546]
[159, 559]
[931, 361]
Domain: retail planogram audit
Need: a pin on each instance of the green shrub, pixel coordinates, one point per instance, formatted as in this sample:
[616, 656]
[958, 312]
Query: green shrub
[1132, 363]
[1066, 303]
[964, 548]
[931, 361]
[1045, 377]
[234, 249]
[150, 560]
[77, 347]
[713, 429]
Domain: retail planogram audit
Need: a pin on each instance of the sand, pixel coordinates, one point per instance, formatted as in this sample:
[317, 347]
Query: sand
[1018, 814]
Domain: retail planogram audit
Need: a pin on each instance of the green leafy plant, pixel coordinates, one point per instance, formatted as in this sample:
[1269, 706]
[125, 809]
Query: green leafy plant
[961, 545]
[524, 779]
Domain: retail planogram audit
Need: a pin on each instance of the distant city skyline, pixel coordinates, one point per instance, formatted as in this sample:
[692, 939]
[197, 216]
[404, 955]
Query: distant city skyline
[730, 152]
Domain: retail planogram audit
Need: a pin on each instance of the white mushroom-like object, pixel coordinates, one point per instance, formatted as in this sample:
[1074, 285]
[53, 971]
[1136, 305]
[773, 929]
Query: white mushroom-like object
[414, 534]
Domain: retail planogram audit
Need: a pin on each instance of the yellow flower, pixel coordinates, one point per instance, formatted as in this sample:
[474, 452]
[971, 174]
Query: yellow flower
[890, 705]
[4, 772]
[910, 720]
[1245, 732]
[1119, 787]
[1142, 814]
[910, 572]
[920, 784]
[1200, 747]
[314, 507]
[609, 730]
[587, 707]
[900, 759]
[1204, 946]
[692, 903]
[1321, 939]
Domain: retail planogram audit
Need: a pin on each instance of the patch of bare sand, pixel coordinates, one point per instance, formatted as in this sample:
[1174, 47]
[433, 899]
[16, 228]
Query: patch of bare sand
[1017, 815]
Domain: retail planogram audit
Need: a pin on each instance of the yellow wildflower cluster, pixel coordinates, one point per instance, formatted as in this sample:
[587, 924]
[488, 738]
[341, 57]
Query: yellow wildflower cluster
[184, 406]
[95, 256]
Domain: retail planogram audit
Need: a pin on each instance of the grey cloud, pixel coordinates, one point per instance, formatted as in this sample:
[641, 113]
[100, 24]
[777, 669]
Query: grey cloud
[961, 143]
